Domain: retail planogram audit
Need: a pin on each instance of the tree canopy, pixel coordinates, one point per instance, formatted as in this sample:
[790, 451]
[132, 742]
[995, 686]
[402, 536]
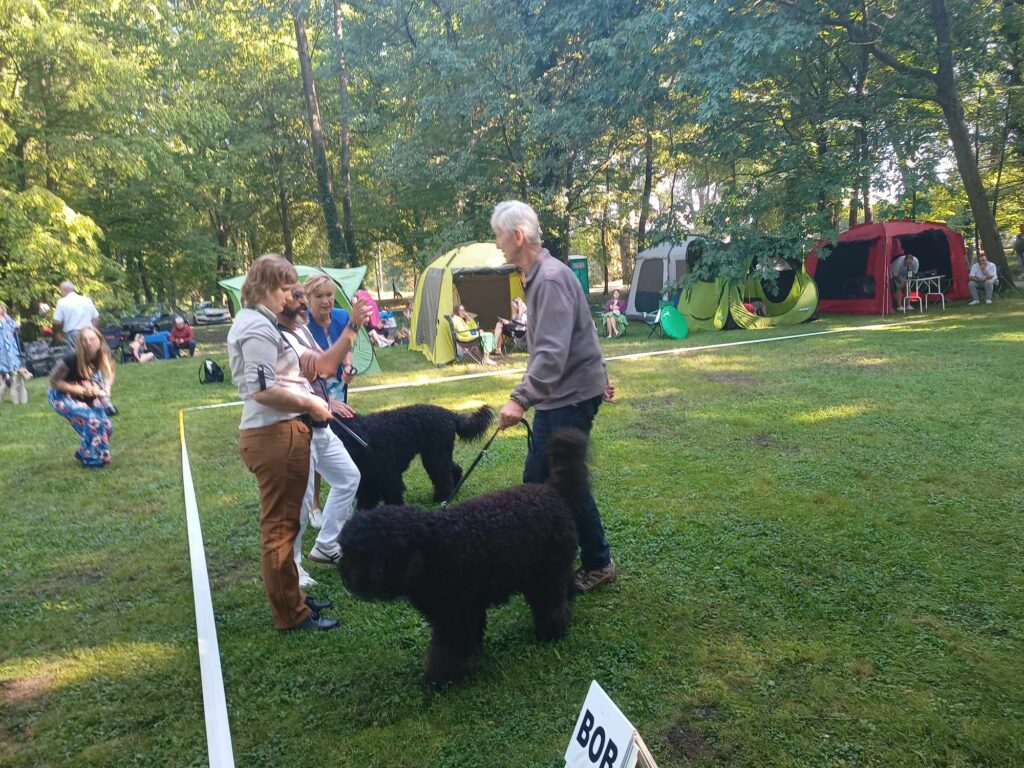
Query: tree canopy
[149, 149]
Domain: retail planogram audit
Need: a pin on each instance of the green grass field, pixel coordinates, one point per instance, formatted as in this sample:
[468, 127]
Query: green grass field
[820, 547]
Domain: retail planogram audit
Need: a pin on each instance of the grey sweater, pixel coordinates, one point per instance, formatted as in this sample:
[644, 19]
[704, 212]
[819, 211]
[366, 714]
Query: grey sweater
[566, 366]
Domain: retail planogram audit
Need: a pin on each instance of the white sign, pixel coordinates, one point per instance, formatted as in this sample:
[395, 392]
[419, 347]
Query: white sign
[603, 737]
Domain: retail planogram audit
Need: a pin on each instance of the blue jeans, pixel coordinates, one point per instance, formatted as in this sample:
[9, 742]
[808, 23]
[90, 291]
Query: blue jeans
[594, 550]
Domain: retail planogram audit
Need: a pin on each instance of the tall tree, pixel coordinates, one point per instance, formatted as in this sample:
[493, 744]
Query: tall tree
[336, 246]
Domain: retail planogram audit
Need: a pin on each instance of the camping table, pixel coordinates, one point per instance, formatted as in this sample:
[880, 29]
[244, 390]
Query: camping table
[925, 287]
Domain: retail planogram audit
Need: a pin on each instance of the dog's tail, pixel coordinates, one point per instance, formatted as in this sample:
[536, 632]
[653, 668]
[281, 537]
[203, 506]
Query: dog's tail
[567, 461]
[470, 426]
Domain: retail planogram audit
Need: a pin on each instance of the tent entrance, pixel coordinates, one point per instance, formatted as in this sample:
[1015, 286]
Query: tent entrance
[649, 284]
[932, 251]
[484, 294]
[844, 273]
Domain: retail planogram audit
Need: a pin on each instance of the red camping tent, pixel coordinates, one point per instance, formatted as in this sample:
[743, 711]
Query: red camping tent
[854, 277]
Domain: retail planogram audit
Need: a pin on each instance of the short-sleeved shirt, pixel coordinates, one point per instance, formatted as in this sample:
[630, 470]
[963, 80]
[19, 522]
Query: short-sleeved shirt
[74, 375]
[989, 273]
[261, 358]
[75, 312]
[900, 267]
[339, 319]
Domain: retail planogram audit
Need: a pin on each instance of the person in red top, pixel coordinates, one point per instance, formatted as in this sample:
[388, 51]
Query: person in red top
[182, 338]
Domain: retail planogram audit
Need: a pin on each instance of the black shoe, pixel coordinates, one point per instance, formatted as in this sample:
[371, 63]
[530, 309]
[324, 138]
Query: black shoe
[318, 605]
[315, 621]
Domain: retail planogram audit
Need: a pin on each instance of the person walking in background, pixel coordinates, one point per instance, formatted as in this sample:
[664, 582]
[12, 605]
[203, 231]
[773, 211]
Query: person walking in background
[565, 380]
[13, 373]
[182, 337]
[74, 312]
[80, 387]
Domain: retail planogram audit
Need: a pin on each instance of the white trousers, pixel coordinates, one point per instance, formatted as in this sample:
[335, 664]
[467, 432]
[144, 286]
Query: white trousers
[327, 455]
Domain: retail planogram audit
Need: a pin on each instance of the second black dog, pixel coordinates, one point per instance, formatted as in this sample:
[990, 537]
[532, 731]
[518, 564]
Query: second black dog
[453, 564]
[395, 437]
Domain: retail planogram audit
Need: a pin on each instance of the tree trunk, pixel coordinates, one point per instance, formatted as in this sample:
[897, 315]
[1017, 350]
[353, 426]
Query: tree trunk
[284, 210]
[953, 110]
[324, 182]
[645, 200]
[346, 152]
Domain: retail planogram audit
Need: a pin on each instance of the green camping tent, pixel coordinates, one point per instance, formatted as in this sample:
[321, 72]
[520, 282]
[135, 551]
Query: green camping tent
[475, 275]
[347, 282]
[719, 304]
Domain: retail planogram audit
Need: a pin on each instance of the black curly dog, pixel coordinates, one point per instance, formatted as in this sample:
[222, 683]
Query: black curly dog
[396, 436]
[454, 563]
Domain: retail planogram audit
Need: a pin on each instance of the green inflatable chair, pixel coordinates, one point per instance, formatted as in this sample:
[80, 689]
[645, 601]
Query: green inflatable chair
[673, 324]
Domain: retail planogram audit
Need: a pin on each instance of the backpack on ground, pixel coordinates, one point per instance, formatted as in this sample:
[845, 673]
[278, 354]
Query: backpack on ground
[210, 373]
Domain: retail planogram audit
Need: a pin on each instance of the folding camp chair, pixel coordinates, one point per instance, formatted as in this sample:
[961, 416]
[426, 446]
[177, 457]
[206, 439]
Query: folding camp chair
[465, 349]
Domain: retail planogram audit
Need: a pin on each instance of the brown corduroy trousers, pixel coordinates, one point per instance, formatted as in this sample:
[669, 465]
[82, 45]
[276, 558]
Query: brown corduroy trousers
[278, 456]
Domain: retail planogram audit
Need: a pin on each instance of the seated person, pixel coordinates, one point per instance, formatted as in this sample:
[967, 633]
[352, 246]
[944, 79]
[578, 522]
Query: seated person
[755, 307]
[377, 338]
[984, 275]
[902, 269]
[614, 315]
[182, 337]
[138, 349]
[512, 327]
[467, 330]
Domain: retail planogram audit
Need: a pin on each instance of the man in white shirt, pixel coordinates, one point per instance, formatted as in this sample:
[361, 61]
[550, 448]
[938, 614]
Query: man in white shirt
[902, 267]
[74, 312]
[983, 275]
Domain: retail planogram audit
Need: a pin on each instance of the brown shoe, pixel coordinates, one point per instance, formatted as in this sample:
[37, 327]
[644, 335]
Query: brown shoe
[588, 581]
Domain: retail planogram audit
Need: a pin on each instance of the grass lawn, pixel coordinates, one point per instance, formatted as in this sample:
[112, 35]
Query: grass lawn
[820, 547]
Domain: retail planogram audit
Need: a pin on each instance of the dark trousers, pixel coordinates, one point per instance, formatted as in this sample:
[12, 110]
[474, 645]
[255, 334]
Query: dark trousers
[594, 549]
[176, 348]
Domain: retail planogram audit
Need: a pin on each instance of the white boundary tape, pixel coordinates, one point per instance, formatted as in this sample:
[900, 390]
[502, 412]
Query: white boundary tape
[215, 708]
[218, 732]
[633, 356]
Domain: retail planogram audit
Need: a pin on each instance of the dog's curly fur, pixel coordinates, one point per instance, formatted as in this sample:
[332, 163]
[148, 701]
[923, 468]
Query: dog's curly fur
[454, 563]
[396, 436]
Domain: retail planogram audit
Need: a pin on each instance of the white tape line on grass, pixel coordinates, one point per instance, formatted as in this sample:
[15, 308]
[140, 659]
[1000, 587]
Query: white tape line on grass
[215, 708]
[632, 356]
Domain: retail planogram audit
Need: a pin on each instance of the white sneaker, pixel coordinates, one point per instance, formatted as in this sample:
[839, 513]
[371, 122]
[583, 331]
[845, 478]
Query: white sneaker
[318, 555]
[987, 301]
[972, 303]
[316, 518]
[305, 580]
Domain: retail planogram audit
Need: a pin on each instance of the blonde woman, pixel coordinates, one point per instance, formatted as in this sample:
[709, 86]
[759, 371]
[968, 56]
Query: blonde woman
[138, 349]
[80, 383]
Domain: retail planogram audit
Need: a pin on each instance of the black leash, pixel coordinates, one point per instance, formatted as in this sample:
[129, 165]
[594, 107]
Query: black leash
[479, 456]
[352, 434]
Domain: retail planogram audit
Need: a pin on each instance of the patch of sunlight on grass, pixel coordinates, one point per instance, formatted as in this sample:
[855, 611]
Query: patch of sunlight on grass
[1007, 336]
[43, 674]
[830, 413]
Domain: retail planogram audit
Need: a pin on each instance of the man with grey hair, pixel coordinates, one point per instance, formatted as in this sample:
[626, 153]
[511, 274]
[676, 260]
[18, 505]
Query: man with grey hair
[74, 312]
[565, 380]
